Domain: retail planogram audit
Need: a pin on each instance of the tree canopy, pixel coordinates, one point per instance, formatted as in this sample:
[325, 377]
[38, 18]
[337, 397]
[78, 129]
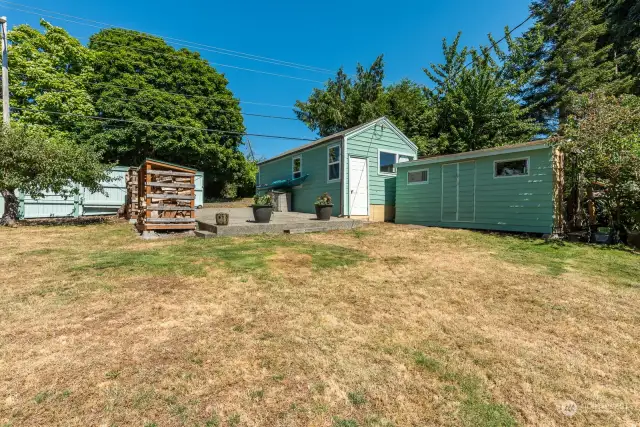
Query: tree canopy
[33, 159]
[166, 93]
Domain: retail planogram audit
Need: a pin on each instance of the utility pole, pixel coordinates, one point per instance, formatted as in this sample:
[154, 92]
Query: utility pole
[5, 73]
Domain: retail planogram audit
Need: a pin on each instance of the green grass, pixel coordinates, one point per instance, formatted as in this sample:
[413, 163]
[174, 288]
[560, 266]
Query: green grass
[555, 258]
[476, 406]
[339, 422]
[356, 398]
[190, 257]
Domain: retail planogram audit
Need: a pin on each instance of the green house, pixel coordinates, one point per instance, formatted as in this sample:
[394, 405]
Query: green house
[508, 188]
[357, 167]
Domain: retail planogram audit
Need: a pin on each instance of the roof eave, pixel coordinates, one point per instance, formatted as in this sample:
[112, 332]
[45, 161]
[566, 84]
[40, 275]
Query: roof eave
[476, 154]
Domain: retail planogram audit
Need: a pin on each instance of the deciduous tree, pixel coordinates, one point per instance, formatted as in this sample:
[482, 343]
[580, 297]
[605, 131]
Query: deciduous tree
[34, 159]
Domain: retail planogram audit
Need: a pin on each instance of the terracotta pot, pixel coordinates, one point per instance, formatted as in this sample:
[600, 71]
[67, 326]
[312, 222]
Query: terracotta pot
[262, 214]
[323, 212]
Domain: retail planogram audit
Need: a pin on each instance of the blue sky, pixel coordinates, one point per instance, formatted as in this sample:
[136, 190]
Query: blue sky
[324, 34]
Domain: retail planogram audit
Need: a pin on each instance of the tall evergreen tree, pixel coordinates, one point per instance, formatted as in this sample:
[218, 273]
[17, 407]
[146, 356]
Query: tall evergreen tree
[623, 21]
[574, 56]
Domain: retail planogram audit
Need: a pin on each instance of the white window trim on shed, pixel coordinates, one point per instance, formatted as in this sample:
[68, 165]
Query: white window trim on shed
[293, 166]
[397, 154]
[495, 164]
[339, 163]
[419, 182]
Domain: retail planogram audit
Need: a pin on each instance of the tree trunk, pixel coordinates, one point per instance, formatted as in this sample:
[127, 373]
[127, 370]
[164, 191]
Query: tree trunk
[11, 206]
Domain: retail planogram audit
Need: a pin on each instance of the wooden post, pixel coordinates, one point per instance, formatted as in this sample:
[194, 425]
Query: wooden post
[558, 191]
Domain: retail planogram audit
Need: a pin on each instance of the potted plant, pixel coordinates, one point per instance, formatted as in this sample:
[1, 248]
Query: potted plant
[262, 208]
[324, 207]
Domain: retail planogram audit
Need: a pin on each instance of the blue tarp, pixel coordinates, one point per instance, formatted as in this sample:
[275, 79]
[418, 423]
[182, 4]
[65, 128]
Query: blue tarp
[283, 183]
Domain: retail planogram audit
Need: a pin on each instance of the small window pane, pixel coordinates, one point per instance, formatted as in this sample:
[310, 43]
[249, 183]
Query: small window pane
[334, 154]
[334, 171]
[417, 176]
[512, 168]
[297, 167]
[386, 162]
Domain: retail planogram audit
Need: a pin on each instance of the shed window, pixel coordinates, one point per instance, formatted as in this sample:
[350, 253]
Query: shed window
[333, 161]
[506, 168]
[387, 159]
[418, 177]
[297, 167]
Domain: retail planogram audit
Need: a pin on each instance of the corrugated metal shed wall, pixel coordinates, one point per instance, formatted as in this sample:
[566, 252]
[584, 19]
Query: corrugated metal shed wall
[87, 203]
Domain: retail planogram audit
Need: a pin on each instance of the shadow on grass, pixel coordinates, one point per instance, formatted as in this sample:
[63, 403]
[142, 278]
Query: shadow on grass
[617, 263]
[191, 256]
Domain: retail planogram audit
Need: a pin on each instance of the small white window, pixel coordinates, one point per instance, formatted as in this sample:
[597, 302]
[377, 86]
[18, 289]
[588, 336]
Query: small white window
[333, 162]
[297, 167]
[418, 177]
[515, 167]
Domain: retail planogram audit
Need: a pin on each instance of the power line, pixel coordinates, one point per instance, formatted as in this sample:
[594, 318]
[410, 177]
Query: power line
[142, 122]
[177, 55]
[202, 46]
[226, 99]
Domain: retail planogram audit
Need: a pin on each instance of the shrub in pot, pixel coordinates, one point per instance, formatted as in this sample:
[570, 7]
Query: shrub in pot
[262, 208]
[324, 207]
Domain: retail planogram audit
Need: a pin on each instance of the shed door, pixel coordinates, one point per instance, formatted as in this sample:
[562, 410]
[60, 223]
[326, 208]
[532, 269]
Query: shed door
[459, 192]
[358, 186]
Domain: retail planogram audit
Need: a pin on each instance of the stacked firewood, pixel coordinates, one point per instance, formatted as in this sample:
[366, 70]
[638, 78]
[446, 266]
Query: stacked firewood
[131, 208]
[168, 199]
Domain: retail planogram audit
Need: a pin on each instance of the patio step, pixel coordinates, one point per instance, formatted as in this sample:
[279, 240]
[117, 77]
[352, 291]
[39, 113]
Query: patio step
[205, 234]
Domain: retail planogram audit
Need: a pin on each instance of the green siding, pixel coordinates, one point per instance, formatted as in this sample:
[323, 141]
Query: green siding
[523, 203]
[314, 163]
[382, 188]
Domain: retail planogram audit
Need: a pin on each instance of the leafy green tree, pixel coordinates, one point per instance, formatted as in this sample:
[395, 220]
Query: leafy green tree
[344, 103]
[50, 71]
[166, 93]
[34, 159]
[475, 106]
[603, 137]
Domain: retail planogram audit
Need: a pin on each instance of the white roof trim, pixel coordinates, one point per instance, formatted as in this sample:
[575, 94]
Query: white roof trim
[475, 154]
[388, 123]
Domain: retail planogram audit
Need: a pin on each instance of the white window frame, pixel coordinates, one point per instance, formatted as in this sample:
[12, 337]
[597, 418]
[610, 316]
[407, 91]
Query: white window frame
[397, 154]
[339, 163]
[293, 162]
[495, 169]
[419, 182]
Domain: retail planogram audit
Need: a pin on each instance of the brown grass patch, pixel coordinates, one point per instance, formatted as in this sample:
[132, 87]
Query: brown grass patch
[431, 327]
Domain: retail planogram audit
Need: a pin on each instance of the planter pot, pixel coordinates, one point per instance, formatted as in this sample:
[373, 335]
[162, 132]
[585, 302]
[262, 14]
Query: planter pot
[262, 214]
[222, 218]
[323, 212]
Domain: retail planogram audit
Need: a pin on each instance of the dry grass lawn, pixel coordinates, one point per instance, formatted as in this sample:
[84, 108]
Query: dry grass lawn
[383, 326]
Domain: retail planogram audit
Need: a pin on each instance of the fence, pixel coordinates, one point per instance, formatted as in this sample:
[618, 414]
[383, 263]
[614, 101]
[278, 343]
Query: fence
[86, 203]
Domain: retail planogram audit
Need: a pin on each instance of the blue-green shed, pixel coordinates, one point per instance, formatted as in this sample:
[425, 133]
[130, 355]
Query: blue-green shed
[357, 167]
[508, 188]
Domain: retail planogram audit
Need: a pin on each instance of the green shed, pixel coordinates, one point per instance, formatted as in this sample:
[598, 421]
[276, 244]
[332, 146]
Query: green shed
[357, 167]
[508, 188]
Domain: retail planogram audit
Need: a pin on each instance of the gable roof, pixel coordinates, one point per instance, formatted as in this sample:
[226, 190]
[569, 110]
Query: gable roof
[503, 149]
[339, 135]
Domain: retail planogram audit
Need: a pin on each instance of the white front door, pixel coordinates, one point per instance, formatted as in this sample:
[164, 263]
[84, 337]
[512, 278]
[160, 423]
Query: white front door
[358, 186]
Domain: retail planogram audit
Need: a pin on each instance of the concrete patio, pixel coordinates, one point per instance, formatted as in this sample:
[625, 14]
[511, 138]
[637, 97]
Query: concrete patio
[241, 223]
